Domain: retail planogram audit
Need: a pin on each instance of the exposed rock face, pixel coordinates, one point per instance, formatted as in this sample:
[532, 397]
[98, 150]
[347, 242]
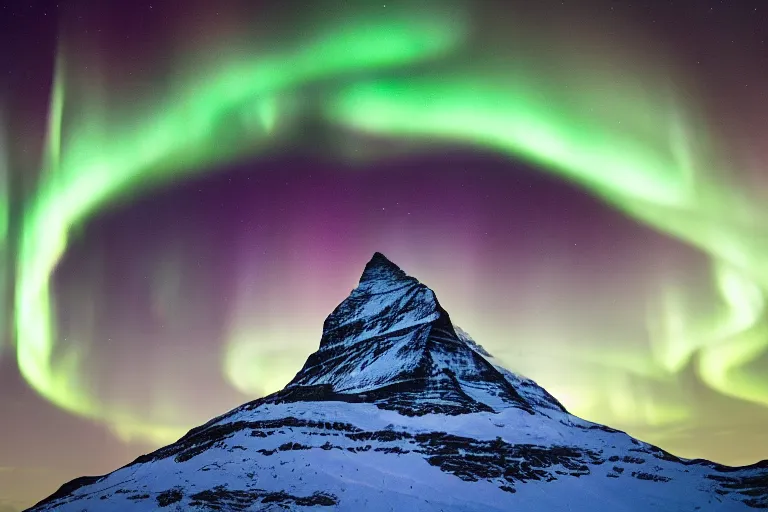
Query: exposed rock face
[400, 409]
[391, 339]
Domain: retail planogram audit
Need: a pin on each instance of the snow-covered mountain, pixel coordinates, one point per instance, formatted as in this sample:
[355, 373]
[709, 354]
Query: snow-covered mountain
[400, 410]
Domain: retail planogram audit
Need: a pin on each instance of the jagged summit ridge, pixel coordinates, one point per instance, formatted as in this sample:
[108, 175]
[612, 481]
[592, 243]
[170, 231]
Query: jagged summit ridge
[380, 268]
[391, 339]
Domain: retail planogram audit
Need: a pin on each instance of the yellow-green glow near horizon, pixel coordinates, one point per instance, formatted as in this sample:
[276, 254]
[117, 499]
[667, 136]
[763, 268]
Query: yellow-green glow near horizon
[4, 213]
[637, 148]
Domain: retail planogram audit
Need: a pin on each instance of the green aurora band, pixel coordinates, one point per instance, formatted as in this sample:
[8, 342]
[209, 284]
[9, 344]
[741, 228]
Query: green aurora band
[637, 151]
[95, 164]
[658, 184]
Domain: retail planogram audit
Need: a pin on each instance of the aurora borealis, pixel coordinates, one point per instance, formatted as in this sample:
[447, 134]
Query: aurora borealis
[187, 194]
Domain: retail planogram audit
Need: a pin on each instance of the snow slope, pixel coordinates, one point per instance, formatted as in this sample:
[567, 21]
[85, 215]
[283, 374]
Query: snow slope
[400, 410]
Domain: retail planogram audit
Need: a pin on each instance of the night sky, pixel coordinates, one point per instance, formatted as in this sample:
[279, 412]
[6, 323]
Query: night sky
[187, 189]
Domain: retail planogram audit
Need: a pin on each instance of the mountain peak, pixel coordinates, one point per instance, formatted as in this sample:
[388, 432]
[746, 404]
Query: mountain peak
[380, 267]
[320, 443]
[391, 341]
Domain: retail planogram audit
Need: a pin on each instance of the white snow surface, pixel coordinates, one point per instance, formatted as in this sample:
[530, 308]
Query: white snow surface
[379, 481]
